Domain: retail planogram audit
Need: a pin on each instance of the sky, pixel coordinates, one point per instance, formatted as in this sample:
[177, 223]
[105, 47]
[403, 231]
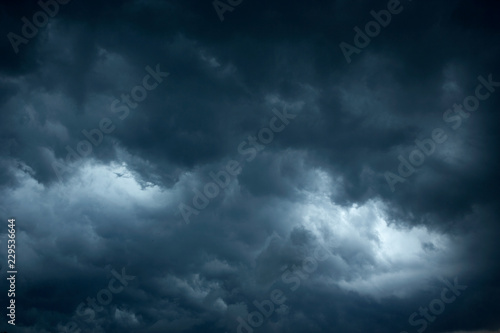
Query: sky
[237, 166]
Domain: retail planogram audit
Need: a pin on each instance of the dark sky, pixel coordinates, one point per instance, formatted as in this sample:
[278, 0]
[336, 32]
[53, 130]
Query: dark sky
[356, 172]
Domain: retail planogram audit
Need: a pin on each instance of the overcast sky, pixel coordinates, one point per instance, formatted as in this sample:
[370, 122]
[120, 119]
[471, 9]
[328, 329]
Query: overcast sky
[251, 166]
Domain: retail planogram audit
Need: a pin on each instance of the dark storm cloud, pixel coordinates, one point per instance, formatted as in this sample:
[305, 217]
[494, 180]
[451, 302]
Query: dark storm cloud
[319, 182]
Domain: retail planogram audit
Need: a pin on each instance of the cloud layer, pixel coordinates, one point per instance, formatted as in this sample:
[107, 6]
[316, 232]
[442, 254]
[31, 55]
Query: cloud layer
[85, 211]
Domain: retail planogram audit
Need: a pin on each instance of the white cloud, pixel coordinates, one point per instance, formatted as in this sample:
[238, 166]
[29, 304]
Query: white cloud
[372, 256]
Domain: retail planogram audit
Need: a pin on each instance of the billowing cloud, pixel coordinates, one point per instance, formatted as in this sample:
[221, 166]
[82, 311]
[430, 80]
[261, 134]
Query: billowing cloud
[170, 171]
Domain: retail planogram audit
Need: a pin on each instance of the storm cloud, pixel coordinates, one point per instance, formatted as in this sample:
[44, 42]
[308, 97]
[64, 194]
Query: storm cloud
[239, 166]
